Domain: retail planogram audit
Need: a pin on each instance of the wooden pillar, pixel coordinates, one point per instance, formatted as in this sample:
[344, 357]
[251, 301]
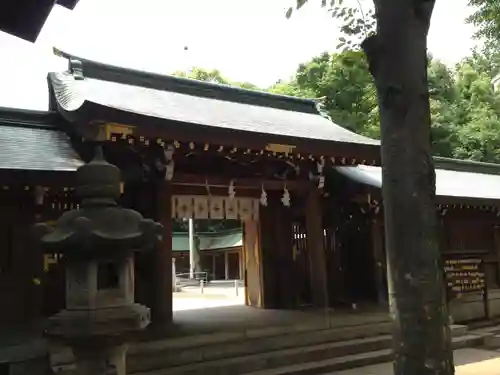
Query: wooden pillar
[268, 257]
[274, 264]
[213, 265]
[226, 265]
[253, 267]
[287, 290]
[241, 263]
[316, 249]
[335, 273]
[496, 238]
[277, 255]
[161, 312]
[269, 254]
[35, 253]
[380, 261]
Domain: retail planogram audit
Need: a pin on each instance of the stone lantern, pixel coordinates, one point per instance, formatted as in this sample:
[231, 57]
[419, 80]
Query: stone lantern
[97, 242]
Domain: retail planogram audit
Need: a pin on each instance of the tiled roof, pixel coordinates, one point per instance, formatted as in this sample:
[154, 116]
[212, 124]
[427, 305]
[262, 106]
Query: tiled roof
[194, 102]
[27, 142]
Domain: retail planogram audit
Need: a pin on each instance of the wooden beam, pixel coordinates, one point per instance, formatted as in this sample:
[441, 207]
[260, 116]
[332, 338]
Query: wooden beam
[151, 127]
[42, 178]
[250, 183]
[214, 191]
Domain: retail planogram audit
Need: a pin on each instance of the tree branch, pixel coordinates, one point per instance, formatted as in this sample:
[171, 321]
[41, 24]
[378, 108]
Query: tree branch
[371, 48]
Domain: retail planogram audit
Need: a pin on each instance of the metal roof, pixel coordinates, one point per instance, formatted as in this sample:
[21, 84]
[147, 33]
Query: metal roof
[195, 102]
[212, 241]
[72, 94]
[449, 183]
[29, 142]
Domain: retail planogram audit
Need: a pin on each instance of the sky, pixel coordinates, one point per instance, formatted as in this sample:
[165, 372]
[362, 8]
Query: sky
[247, 40]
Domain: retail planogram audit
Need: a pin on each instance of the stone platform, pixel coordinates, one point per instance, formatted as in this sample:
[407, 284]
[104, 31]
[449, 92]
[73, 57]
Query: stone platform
[240, 338]
[469, 361]
[245, 319]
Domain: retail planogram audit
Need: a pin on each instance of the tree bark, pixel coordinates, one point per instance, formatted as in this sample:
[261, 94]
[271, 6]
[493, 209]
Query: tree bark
[398, 62]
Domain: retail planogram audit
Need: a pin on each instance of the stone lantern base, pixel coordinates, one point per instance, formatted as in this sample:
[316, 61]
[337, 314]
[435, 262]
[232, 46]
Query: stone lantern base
[112, 322]
[97, 337]
[93, 359]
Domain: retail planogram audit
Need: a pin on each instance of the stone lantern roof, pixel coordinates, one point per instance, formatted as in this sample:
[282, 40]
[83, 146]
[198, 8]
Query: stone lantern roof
[99, 227]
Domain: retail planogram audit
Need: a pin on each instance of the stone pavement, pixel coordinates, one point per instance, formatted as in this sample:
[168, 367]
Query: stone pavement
[241, 318]
[195, 298]
[467, 362]
[188, 301]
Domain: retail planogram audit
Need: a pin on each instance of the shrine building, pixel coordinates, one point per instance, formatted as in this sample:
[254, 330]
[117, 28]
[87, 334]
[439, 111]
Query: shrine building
[306, 191]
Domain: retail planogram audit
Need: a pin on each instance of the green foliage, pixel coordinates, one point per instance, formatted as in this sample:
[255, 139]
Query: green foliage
[465, 108]
[345, 86]
[477, 114]
[486, 19]
[356, 19]
[203, 75]
[486, 60]
[213, 76]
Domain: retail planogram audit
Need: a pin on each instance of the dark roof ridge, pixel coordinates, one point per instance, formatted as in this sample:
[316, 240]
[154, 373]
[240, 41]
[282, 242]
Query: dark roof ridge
[135, 77]
[24, 111]
[224, 232]
[28, 118]
[466, 165]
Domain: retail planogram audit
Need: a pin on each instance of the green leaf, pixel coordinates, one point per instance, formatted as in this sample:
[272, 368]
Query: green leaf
[301, 3]
[289, 12]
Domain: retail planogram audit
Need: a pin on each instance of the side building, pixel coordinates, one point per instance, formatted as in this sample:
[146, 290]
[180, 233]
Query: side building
[468, 207]
[221, 254]
[37, 167]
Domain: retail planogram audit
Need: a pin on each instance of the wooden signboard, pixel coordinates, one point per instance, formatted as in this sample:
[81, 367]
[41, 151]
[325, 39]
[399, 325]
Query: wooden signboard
[465, 276]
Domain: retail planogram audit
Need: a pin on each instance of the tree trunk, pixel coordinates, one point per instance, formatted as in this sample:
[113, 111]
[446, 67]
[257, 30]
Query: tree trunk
[398, 62]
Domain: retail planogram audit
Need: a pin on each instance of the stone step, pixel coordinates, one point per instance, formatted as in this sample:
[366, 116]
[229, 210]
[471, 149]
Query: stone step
[458, 330]
[277, 358]
[492, 342]
[373, 326]
[353, 360]
[167, 353]
[316, 359]
[143, 356]
[160, 356]
[329, 365]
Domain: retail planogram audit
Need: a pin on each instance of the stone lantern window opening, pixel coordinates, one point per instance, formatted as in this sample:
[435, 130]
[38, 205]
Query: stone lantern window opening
[108, 276]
